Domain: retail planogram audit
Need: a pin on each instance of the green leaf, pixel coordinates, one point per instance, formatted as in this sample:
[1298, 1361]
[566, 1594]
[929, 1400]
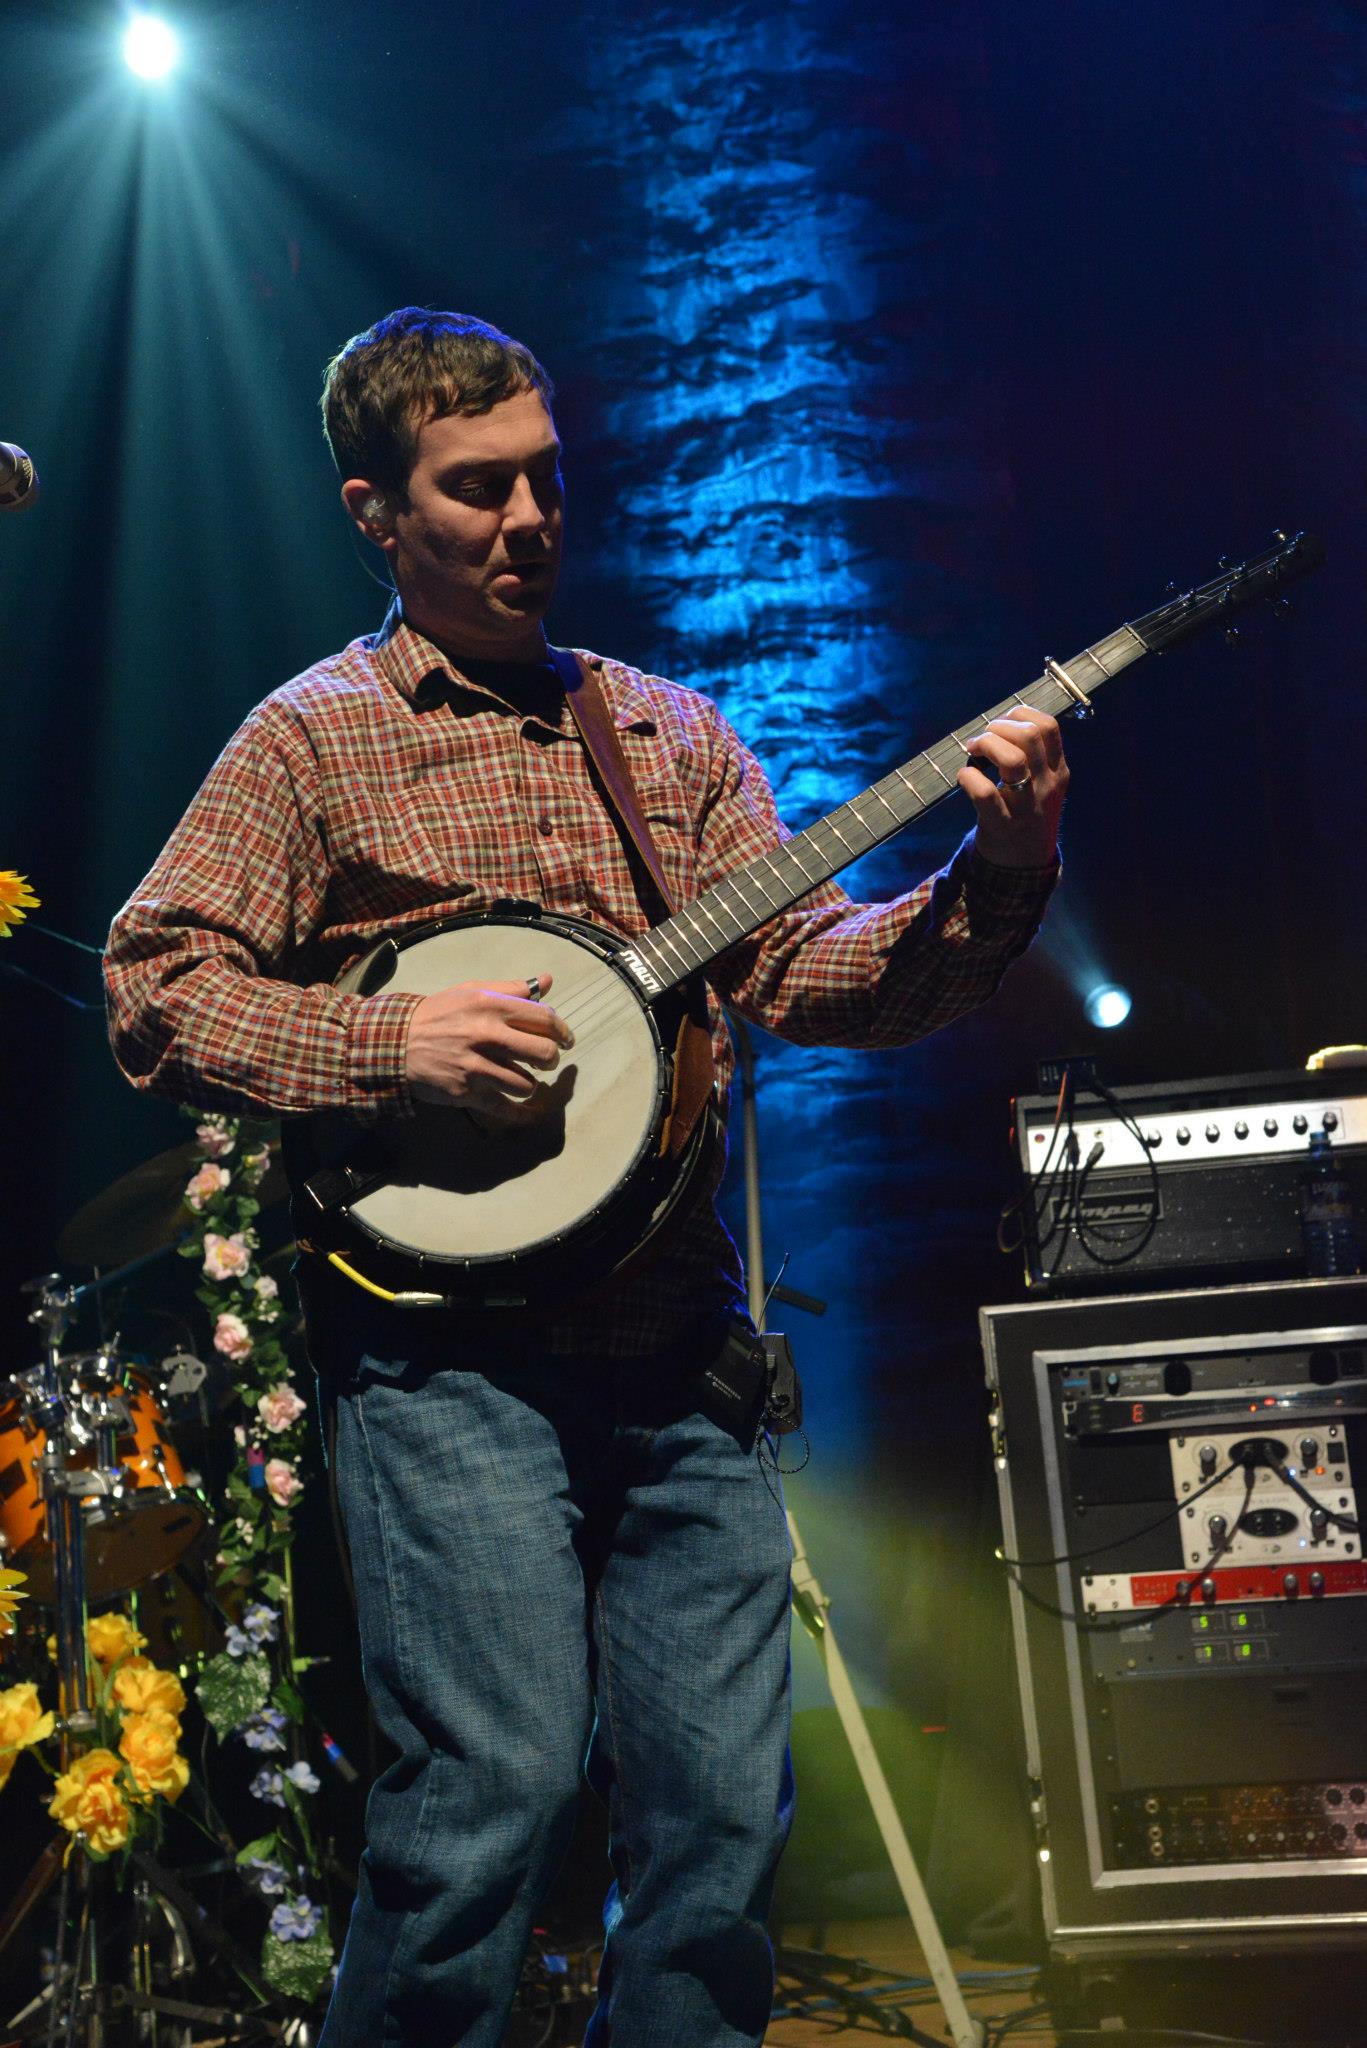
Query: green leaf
[273, 1586]
[265, 1846]
[288, 1700]
[299, 1969]
[232, 1689]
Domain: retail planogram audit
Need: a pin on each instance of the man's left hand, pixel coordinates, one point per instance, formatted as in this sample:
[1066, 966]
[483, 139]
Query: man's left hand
[1017, 815]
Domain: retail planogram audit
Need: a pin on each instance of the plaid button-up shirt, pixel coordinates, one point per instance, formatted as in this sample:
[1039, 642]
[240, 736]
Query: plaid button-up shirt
[381, 790]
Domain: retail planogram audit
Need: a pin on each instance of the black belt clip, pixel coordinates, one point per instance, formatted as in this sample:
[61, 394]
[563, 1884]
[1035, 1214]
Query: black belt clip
[783, 1388]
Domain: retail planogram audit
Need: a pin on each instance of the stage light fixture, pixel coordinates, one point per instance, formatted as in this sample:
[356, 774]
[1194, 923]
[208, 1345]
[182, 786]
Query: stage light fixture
[1108, 1006]
[151, 46]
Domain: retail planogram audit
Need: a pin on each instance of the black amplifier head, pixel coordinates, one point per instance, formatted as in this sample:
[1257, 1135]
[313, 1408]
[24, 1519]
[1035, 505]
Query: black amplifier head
[1179, 1183]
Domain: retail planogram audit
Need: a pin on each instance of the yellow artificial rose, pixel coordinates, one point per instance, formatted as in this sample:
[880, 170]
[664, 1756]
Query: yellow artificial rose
[149, 1743]
[141, 1688]
[87, 1800]
[10, 1596]
[6, 1766]
[22, 1720]
[112, 1636]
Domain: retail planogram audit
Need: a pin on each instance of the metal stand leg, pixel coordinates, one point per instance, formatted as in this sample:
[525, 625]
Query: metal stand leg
[814, 1610]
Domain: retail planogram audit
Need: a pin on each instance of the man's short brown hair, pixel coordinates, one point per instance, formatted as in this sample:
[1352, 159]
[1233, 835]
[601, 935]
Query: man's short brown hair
[413, 366]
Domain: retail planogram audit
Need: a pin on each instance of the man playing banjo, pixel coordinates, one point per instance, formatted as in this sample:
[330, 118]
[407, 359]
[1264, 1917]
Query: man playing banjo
[558, 1550]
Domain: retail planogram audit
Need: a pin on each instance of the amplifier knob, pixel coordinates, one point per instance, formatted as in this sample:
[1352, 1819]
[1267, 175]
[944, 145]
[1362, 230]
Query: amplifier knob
[1270, 1126]
[1317, 1582]
[1300, 1125]
[1310, 1450]
[1153, 1139]
[1212, 1132]
[1331, 1122]
[1319, 1522]
[1183, 1135]
[1241, 1130]
[1291, 1585]
[1219, 1528]
[1209, 1458]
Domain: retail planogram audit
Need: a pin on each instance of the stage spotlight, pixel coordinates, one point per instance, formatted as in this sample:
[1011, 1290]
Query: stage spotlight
[1108, 1006]
[150, 46]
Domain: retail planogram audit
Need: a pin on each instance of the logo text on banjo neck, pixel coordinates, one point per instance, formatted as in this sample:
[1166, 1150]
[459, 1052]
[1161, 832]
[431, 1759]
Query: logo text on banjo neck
[640, 972]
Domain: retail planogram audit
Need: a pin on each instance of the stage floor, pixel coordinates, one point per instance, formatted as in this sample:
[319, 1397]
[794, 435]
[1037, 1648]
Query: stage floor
[994, 1992]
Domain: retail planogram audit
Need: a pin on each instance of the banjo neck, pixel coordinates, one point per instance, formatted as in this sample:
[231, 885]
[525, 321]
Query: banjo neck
[736, 907]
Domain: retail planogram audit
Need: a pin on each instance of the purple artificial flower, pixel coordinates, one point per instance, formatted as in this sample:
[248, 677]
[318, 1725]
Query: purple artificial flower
[259, 1622]
[295, 1919]
[303, 1777]
[268, 1786]
[264, 1730]
[235, 1643]
[268, 1877]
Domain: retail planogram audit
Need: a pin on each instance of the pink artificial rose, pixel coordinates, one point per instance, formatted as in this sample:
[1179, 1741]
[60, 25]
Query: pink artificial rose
[232, 1337]
[214, 1140]
[267, 1288]
[204, 1185]
[280, 1407]
[225, 1257]
[282, 1482]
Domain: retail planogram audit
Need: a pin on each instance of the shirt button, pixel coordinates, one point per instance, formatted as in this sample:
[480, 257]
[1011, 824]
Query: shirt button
[543, 823]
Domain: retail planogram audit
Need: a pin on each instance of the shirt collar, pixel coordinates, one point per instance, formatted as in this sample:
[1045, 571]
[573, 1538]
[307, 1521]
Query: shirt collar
[406, 660]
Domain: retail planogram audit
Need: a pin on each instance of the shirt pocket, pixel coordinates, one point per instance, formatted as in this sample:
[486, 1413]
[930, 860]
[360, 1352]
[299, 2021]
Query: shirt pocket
[674, 830]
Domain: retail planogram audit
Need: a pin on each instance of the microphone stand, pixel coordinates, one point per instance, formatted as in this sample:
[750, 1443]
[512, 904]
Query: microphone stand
[813, 1608]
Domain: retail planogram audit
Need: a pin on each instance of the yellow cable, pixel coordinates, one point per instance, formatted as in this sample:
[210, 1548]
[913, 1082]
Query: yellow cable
[370, 1286]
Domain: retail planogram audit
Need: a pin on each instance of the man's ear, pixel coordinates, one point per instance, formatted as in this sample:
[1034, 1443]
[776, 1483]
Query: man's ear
[370, 509]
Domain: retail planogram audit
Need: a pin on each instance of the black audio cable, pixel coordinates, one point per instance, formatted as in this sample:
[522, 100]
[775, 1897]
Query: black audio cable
[1029, 1564]
[1135, 1243]
[1287, 1478]
[1110, 1624]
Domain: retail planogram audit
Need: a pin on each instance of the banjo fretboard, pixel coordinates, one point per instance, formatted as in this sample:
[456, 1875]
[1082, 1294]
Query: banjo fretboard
[736, 907]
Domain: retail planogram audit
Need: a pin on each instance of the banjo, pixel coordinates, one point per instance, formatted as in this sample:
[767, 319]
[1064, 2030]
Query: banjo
[438, 1210]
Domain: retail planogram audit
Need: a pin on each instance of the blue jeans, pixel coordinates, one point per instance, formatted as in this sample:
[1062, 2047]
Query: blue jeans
[529, 1546]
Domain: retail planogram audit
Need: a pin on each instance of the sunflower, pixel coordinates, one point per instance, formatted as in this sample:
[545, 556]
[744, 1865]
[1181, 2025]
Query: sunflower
[10, 1596]
[15, 898]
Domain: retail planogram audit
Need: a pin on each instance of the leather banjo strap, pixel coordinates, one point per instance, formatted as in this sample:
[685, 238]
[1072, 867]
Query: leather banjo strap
[590, 712]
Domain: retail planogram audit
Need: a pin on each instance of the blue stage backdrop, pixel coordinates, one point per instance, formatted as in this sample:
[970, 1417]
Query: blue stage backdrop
[897, 348]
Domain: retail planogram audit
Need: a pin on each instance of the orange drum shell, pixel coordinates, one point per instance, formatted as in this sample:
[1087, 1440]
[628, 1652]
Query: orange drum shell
[149, 1460]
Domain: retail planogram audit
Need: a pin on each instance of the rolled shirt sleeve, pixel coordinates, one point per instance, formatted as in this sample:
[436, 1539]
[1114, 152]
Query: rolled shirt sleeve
[834, 972]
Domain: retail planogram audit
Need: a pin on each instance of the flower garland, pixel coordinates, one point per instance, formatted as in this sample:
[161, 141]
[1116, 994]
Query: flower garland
[247, 1692]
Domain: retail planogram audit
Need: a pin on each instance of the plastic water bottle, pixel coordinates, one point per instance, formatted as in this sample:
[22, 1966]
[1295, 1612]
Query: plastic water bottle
[1328, 1225]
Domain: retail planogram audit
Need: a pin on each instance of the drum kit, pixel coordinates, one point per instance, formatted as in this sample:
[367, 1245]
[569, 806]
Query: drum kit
[96, 1503]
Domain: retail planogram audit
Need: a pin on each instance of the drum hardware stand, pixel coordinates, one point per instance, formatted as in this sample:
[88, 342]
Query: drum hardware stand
[813, 1609]
[64, 1491]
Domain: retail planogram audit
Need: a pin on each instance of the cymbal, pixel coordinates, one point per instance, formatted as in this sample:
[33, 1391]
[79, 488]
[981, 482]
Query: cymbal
[144, 1211]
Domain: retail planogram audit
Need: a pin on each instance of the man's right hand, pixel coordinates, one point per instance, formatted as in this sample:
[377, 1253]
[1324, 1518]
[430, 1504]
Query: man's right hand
[470, 1045]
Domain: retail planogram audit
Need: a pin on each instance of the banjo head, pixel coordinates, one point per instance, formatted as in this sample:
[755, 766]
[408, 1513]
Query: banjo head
[456, 1191]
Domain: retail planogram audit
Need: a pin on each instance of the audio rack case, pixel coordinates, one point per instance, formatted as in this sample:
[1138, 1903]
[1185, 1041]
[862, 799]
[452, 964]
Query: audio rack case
[1198, 1775]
